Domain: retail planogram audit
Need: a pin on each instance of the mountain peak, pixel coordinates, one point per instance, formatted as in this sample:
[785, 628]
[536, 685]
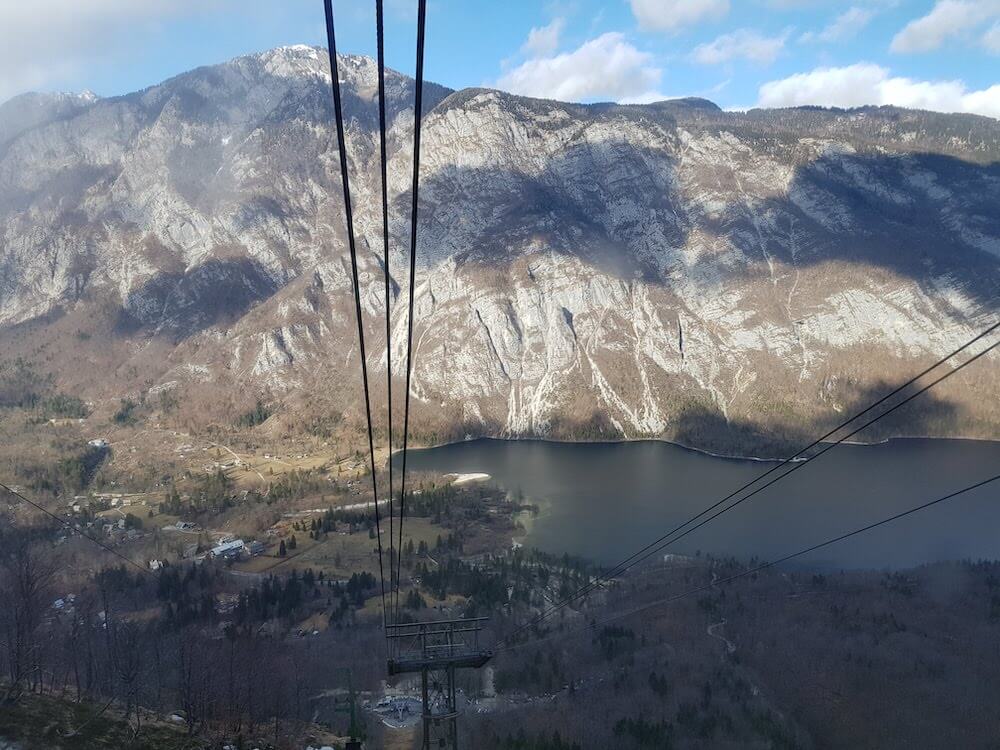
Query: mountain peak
[34, 109]
[307, 50]
[597, 270]
[299, 60]
[294, 60]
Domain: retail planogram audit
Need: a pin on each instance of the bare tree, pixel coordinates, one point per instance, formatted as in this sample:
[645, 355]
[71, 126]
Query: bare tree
[128, 665]
[25, 575]
[193, 680]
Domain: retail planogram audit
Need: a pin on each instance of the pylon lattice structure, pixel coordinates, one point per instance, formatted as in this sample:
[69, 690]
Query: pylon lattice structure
[437, 650]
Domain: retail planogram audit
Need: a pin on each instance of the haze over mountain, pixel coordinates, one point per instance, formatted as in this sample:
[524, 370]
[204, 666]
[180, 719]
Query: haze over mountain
[667, 270]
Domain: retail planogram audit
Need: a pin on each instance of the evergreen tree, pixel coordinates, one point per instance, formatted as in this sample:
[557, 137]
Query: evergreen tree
[414, 600]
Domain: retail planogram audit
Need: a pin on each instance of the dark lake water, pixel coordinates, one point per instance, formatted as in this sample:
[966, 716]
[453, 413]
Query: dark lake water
[605, 500]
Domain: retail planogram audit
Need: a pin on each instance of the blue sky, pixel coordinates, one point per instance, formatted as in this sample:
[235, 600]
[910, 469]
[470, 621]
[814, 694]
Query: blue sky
[935, 54]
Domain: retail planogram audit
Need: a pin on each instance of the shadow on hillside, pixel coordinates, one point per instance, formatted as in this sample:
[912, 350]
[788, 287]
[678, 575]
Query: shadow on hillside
[570, 208]
[179, 305]
[927, 414]
[927, 217]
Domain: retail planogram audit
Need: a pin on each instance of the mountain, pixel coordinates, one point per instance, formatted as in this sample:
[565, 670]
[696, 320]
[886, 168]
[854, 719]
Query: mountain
[667, 270]
[28, 111]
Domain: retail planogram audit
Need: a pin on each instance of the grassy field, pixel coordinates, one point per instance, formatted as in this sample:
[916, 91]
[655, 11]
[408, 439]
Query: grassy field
[340, 554]
[44, 723]
[48, 723]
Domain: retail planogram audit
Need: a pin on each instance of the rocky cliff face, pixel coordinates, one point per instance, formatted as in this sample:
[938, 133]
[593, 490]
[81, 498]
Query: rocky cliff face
[661, 270]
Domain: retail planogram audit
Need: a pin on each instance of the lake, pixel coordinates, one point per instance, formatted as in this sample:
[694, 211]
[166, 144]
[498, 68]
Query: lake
[605, 500]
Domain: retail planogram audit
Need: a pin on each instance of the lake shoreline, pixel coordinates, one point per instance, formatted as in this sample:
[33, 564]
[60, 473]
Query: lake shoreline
[601, 500]
[693, 449]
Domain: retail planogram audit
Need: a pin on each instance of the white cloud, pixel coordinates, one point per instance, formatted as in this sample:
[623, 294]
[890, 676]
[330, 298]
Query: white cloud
[646, 97]
[673, 15]
[543, 40]
[607, 67]
[845, 26]
[984, 102]
[865, 83]
[792, 4]
[404, 10]
[991, 39]
[47, 40]
[947, 19]
[742, 44]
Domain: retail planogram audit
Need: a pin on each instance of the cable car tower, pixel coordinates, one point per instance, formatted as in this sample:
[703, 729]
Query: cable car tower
[436, 650]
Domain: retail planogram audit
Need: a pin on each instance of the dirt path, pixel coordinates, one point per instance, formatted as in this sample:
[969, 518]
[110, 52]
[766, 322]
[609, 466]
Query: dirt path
[730, 646]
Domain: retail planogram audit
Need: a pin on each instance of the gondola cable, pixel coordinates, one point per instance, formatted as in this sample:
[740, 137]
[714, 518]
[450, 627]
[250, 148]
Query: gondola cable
[417, 113]
[380, 43]
[349, 216]
[74, 528]
[665, 540]
[766, 565]
[818, 441]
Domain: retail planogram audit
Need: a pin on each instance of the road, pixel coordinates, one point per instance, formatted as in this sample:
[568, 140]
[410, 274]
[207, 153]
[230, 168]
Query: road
[730, 646]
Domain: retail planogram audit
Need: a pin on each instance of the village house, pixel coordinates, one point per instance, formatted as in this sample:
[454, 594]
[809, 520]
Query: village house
[227, 550]
[255, 548]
